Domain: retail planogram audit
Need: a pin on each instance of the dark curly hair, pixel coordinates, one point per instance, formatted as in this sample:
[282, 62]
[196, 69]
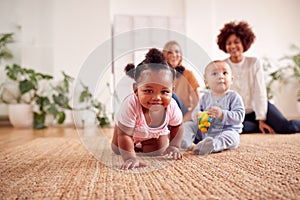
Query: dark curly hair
[241, 29]
[154, 60]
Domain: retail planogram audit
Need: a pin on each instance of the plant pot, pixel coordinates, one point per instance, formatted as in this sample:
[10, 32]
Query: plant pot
[20, 115]
[3, 111]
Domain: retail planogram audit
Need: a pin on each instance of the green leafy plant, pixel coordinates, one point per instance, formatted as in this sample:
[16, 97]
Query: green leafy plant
[26, 83]
[60, 101]
[54, 101]
[286, 70]
[96, 106]
[22, 86]
[5, 52]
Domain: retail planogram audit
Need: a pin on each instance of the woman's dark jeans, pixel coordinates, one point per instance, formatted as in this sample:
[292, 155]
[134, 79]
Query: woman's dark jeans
[275, 119]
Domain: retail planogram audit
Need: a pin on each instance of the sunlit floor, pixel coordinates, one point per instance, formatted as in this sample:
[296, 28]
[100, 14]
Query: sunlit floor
[11, 137]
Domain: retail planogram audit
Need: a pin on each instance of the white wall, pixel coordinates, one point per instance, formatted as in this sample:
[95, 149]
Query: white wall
[9, 18]
[35, 22]
[78, 28]
[174, 8]
[56, 35]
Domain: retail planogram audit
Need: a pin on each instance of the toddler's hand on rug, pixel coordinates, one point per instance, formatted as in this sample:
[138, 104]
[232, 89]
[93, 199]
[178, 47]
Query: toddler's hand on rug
[173, 152]
[132, 163]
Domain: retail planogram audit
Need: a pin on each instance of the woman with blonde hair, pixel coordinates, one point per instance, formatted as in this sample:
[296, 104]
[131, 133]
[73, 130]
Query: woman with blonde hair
[186, 84]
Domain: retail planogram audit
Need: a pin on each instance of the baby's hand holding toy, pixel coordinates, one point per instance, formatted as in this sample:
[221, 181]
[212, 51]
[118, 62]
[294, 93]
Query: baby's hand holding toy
[204, 121]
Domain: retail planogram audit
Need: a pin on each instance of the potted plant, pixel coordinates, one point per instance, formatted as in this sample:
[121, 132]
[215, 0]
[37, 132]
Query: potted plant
[25, 90]
[57, 103]
[86, 110]
[53, 102]
[19, 91]
[287, 70]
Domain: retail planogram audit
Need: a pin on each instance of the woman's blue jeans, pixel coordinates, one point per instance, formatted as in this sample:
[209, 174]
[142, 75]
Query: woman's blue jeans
[275, 119]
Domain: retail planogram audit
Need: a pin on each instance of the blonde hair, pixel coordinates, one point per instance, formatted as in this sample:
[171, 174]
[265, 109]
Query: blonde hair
[168, 46]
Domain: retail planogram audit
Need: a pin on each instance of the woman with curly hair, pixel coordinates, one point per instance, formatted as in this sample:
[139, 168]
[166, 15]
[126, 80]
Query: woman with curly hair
[186, 84]
[235, 38]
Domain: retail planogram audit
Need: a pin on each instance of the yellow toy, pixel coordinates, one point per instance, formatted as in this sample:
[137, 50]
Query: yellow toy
[204, 121]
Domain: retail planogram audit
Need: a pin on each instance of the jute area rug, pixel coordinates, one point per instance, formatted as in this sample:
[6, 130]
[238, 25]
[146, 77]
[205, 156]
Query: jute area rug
[263, 167]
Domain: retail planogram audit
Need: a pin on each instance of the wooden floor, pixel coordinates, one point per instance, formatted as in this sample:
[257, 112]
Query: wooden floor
[11, 137]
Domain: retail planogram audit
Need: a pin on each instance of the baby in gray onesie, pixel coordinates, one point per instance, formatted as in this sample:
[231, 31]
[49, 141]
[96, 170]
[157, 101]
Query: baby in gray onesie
[226, 108]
